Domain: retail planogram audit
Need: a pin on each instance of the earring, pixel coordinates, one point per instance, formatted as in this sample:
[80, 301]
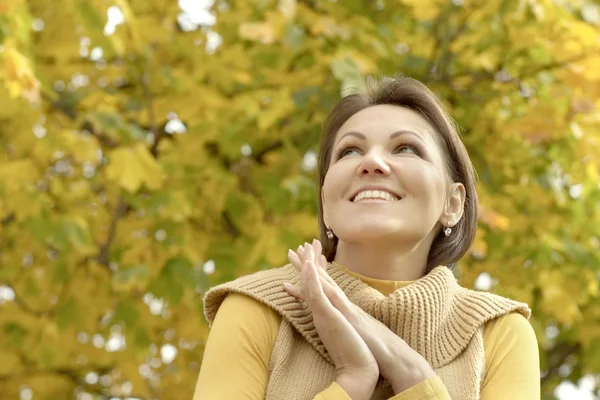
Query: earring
[329, 234]
[447, 231]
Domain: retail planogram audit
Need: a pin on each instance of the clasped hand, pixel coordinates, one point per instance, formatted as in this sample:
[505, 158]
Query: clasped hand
[359, 345]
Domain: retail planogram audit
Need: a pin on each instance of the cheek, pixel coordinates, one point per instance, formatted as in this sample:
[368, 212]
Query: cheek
[332, 185]
[437, 188]
[326, 194]
[429, 182]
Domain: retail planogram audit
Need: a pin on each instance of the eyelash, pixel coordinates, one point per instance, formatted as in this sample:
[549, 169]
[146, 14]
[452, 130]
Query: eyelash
[341, 152]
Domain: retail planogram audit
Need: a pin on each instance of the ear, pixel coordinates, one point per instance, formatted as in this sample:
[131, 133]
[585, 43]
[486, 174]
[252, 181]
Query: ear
[455, 205]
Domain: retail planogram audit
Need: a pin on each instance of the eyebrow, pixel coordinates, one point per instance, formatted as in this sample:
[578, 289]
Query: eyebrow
[392, 136]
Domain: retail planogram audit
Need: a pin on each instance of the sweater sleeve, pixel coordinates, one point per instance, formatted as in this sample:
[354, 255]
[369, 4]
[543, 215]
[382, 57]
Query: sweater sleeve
[429, 389]
[243, 330]
[512, 359]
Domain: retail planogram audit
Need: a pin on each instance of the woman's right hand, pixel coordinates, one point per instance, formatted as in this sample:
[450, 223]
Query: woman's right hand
[356, 368]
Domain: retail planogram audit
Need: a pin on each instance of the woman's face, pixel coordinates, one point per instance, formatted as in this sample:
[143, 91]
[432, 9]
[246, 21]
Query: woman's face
[386, 179]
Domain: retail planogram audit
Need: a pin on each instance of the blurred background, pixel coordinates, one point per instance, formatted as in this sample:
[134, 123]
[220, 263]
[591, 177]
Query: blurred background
[150, 149]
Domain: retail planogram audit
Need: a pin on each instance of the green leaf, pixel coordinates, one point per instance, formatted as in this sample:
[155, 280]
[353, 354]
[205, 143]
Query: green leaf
[129, 278]
[294, 36]
[15, 333]
[348, 72]
[302, 96]
[244, 211]
[94, 25]
[89, 16]
[127, 313]
[79, 237]
[113, 124]
[67, 313]
[177, 274]
[141, 338]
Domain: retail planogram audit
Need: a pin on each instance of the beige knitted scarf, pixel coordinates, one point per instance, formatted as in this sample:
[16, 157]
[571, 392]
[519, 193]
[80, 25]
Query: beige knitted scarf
[437, 317]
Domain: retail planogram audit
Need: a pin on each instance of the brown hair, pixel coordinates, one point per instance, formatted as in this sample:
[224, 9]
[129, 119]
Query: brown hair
[412, 94]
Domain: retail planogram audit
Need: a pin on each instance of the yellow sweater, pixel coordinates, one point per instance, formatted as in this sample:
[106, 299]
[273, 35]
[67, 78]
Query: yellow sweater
[245, 331]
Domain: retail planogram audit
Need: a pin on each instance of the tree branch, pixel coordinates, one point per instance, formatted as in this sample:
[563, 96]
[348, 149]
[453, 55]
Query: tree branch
[8, 219]
[230, 226]
[558, 356]
[103, 254]
[157, 135]
[260, 155]
[27, 308]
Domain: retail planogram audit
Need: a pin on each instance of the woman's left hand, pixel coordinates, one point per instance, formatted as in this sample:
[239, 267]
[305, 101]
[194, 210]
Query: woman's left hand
[397, 361]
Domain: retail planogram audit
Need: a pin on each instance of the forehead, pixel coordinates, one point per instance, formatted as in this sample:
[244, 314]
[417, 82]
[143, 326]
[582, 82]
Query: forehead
[385, 119]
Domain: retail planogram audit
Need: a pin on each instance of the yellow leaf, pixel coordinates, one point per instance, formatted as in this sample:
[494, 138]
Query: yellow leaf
[479, 247]
[304, 224]
[18, 74]
[557, 300]
[424, 10]
[7, 6]
[591, 170]
[258, 31]
[288, 9]
[153, 172]
[131, 24]
[178, 207]
[133, 167]
[14, 175]
[493, 219]
[24, 204]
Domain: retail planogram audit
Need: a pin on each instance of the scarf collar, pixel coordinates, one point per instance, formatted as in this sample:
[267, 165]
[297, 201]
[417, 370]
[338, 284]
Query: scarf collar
[434, 315]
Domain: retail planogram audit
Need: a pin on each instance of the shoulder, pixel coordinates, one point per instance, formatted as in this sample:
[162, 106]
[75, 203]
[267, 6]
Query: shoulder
[512, 361]
[245, 314]
[509, 329]
[243, 330]
[262, 287]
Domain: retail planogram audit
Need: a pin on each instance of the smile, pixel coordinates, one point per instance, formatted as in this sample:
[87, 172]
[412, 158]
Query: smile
[379, 195]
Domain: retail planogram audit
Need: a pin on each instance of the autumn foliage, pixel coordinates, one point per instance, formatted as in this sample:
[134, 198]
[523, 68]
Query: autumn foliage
[145, 156]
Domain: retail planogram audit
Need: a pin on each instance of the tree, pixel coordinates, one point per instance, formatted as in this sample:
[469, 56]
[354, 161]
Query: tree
[145, 157]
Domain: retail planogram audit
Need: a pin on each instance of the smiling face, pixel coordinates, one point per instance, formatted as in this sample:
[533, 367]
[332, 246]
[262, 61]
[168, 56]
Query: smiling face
[387, 180]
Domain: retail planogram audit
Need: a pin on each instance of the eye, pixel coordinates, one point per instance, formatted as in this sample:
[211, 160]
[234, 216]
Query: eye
[344, 151]
[407, 148]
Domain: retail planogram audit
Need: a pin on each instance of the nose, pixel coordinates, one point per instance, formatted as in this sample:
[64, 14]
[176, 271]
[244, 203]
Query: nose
[374, 163]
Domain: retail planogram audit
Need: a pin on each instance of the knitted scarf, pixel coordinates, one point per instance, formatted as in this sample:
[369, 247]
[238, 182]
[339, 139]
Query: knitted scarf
[437, 317]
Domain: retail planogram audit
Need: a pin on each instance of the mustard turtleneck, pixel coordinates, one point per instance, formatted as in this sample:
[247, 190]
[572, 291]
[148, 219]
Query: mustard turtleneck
[383, 286]
[236, 361]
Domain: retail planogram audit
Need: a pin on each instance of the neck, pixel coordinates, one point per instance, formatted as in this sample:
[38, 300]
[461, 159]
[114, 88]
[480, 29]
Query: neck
[383, 261]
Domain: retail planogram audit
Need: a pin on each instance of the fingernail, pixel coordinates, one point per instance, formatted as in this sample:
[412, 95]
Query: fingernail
[288, 285]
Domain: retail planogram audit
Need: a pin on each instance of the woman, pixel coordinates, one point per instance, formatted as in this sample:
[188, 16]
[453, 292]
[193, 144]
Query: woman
[375, 311]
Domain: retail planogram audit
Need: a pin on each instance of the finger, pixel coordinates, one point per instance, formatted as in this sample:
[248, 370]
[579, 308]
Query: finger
[294, 260]
[318, 248]
[293, 290]
[301, 254]
[323, 262]
[309, 254]
[327, 277]
[332, 291]
[314, 295]
[328, 285]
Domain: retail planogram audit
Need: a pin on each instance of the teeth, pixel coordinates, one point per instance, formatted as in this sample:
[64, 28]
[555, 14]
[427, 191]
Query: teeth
[375, 194]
